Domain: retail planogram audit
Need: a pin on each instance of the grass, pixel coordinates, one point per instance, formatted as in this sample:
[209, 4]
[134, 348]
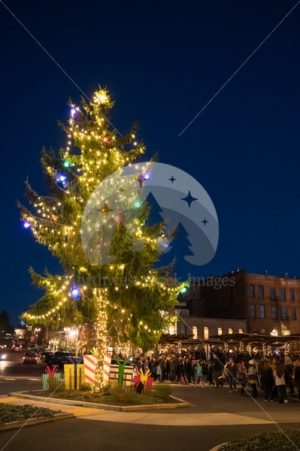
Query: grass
[275, 441]
[10, 413]
[118, 396]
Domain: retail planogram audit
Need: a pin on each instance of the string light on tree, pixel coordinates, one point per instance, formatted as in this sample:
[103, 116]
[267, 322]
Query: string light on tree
[73, 111]
[26, 224]
[184, 288]
[61, 179]
[137, 203]
[68, 163]
[101, 97]
[75, 292]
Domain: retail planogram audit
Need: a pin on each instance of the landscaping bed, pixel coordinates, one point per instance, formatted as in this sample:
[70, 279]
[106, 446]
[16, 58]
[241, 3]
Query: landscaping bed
[10, 412]
[275, 441]
[15, 416]
[115, 396]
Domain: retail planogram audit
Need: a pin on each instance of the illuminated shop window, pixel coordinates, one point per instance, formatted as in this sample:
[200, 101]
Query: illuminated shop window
[206, 333]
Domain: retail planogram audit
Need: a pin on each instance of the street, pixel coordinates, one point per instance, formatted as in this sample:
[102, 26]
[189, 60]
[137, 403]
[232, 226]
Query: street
[12, 365]
[15, 376]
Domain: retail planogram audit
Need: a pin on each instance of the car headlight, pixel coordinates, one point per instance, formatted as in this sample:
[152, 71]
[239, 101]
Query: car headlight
[3, 356]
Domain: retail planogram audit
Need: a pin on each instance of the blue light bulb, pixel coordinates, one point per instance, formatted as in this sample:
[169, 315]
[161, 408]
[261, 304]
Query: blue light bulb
[26, 225]
[75, 292]
[62, 179]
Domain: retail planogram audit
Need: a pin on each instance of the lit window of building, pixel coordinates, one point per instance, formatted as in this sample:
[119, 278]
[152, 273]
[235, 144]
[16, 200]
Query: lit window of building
[195, 332]
[220, 331]
[172, 329]
[206, 333]
[230, 331]
[241, 331]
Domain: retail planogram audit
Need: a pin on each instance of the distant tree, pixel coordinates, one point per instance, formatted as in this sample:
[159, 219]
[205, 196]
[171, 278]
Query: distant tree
[5, 324]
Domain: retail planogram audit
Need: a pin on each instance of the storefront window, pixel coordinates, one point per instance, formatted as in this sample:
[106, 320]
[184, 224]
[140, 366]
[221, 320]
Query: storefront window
[195, 332]
[206, 333]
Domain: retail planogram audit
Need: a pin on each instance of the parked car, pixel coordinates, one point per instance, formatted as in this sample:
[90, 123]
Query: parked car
[47, 357]
[30, 358]
[61, 358]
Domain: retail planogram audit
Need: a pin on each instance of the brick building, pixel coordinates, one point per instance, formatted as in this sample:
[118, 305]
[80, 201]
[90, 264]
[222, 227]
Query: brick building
[270, 304]
[273, 304]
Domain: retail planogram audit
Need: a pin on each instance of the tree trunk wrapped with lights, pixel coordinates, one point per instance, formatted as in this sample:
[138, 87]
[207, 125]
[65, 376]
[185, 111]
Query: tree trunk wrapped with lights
[126, 292]
[101, 334]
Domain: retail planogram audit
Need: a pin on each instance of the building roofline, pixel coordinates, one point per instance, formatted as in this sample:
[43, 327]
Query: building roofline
[272, 276]
[255, 274]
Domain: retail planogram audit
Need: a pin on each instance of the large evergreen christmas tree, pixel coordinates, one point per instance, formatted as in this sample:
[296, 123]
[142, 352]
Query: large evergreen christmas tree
[128, 297]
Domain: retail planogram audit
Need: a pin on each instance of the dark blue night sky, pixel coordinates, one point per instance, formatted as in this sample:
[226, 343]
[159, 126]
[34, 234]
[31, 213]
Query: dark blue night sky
[162, 61]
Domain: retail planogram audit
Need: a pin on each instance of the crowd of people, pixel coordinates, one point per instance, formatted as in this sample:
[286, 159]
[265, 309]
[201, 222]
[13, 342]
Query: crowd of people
[275, 375]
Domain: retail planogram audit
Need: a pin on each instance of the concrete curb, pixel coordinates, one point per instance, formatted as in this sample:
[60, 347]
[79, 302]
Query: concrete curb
[34, 421]
[71, 402]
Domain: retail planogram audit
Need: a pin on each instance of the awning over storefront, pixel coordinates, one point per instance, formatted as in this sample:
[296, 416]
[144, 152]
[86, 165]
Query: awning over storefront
[235, 338]
[256, 338]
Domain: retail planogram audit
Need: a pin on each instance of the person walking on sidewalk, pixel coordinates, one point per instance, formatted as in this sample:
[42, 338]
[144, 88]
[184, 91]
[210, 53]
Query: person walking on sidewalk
[267, 381]
[280, 383]
[199, 374]
[230, 373]
[241, 375]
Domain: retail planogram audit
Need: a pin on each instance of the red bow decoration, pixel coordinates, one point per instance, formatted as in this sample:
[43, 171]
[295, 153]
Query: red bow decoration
[51, 371]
